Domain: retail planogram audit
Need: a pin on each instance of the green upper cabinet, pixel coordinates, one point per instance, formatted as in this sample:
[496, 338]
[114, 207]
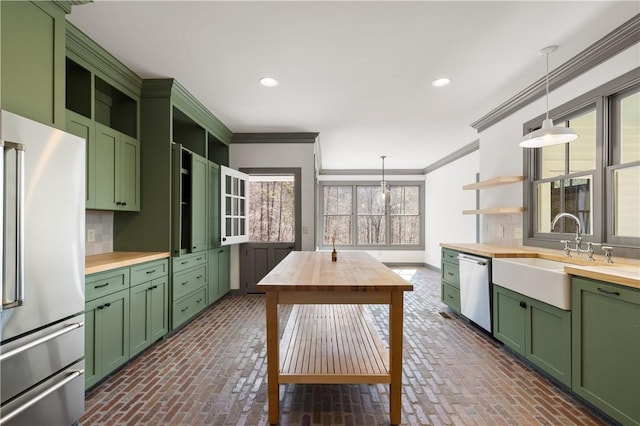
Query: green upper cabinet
[32, 59]
[102, 99]
[213, 212]
[606, 347]
[117, 170]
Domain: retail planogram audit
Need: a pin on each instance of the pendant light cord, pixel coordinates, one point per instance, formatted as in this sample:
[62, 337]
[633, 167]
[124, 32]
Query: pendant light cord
[547, 55]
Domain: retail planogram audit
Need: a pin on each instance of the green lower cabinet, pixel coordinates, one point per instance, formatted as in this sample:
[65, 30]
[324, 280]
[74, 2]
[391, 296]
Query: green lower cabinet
[539, 332]
[450, 279]
[219, 280]
[190, 284]
[106, 335]
[606, 342]
[149, 313]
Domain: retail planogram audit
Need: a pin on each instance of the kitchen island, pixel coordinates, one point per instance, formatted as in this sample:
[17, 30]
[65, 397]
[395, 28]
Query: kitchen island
[325, 343]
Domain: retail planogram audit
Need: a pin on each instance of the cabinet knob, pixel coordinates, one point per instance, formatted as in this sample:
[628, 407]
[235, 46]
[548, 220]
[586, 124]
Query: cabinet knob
[523, 304]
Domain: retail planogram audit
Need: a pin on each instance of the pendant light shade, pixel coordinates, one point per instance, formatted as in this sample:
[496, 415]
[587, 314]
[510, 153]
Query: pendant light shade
[548, 135]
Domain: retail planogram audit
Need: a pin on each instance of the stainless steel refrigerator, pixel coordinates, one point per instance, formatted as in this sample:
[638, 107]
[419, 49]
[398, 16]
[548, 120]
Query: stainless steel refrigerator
[42, 176]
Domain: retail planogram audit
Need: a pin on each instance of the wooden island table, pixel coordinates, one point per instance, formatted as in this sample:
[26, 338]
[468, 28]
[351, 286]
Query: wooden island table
[329, 337]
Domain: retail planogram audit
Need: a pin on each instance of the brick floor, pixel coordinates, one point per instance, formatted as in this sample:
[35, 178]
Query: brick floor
[213, 372]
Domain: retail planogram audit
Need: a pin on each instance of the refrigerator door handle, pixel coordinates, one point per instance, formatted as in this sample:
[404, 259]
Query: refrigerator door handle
[19, 230]
[44, 339]
[73, 374]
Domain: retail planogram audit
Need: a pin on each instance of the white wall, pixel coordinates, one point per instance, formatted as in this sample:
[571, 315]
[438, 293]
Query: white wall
[445, 201]
[245, 155]
[500, 154]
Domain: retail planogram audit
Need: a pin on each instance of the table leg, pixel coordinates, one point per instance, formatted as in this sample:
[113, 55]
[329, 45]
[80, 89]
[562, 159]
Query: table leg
[395, 356]
[273, 361]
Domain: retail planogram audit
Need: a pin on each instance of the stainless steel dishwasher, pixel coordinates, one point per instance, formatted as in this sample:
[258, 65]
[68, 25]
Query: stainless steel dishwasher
[474, 289]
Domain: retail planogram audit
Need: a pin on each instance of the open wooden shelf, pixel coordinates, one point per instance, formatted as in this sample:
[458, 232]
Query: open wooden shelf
[497, 181]
[332, 344]
[495, 210]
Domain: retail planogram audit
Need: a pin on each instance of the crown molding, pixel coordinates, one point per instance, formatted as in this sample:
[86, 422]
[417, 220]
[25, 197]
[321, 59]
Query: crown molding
[455, 155]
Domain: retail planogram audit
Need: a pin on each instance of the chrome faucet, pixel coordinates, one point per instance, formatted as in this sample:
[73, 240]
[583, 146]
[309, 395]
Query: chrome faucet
[578, 248]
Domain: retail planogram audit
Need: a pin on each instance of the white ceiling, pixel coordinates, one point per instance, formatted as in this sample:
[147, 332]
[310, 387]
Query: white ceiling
[360, 72]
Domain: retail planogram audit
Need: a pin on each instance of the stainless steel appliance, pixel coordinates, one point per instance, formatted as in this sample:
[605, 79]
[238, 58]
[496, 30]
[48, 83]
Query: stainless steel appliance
[42, 175]
[474, 289]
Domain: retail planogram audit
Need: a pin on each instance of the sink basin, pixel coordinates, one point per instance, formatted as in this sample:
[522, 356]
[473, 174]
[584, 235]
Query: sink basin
[540, 279]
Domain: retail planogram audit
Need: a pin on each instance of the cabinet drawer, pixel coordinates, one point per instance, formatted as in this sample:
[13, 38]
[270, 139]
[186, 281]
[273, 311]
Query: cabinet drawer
[188, 307]
[148, 271]
[189, 261]
[451, 297]
[186, 282]
[451, 274]
[103, 283]
[450, 255]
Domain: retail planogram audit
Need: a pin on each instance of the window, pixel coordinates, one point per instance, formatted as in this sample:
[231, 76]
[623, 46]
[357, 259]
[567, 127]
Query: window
[272, 215]
[359, 215]
[233, 226]
[596, 178]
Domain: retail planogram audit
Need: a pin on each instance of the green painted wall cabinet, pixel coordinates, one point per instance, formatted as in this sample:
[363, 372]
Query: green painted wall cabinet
[606, 342]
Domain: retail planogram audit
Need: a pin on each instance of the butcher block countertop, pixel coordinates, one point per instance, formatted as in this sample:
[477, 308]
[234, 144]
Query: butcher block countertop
[623, 271]
[119, 259]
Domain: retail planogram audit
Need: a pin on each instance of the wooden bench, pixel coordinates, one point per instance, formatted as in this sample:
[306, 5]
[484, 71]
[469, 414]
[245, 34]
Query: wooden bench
[332, 344]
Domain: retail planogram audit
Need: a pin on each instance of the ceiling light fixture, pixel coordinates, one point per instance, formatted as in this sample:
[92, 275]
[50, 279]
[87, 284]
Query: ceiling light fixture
[384, 188]
[441, 82]
[268, 82]
[548, 135]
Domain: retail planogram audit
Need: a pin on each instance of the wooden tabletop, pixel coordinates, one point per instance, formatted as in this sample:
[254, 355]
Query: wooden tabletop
[314, 271]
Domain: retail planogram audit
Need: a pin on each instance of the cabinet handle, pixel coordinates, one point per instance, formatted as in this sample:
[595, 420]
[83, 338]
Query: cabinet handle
[184, 262]
[118, 203]
[100, 307]
[151, 271]
[198, 258]
[450, 296]
[182, 310]
[615, 293]
[199, 300]
[154, 287]
[194, 247]
[450, 273]
[107, 304]
[523, 304]
[198, 277]
[124, 203]
[100, 286]
[185, 283]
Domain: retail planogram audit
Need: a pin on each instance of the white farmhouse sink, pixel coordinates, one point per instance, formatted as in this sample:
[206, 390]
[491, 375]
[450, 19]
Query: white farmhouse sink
[540, 279]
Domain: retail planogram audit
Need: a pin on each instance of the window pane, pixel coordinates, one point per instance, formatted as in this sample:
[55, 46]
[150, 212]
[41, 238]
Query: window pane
[547, 207]
[553, 161]
[630, 128]
[582, 152]
[370, 200]
[404, 200]
[627, 202]
[272, 209]
[405, 230]
[338, 227]
[371, 230]
[337, 199]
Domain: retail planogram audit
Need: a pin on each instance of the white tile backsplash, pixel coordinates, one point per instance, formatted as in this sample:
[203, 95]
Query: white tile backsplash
[511, 224]
[102, 225]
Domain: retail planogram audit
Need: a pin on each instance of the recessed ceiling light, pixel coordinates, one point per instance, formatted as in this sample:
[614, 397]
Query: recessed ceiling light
[268, 82]
[440, 82]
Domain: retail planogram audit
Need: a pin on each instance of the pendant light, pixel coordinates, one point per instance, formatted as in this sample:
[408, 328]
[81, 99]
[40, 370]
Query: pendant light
[383, 183]
[548, 135]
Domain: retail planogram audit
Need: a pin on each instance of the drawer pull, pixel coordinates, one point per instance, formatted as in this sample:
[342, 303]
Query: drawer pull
[198, 277]
[185, 283]
[199, 300]
[100, 286]
[184, 309]
[450, 273]
[450, 296]
[184, 262]
[107, 304]
[198, 258]
[615, 293]
[151, 271]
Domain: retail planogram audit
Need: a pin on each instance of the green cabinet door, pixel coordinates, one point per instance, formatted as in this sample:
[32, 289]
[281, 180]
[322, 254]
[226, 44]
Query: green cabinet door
[213, 214]
[83, 127]
[115, 331]
[32, 74]
[159, 309]
[128, 173]
[199, 174]
[606, 341]
[92, 343]
[548, 334]
[139, 335]
[509, 317]
[107, 141]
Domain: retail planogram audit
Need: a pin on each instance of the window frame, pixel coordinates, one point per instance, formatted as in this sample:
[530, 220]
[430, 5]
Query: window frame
[387, 216]
[603, 194]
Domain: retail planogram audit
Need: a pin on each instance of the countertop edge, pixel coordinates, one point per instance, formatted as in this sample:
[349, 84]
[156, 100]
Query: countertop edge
[119, 259]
